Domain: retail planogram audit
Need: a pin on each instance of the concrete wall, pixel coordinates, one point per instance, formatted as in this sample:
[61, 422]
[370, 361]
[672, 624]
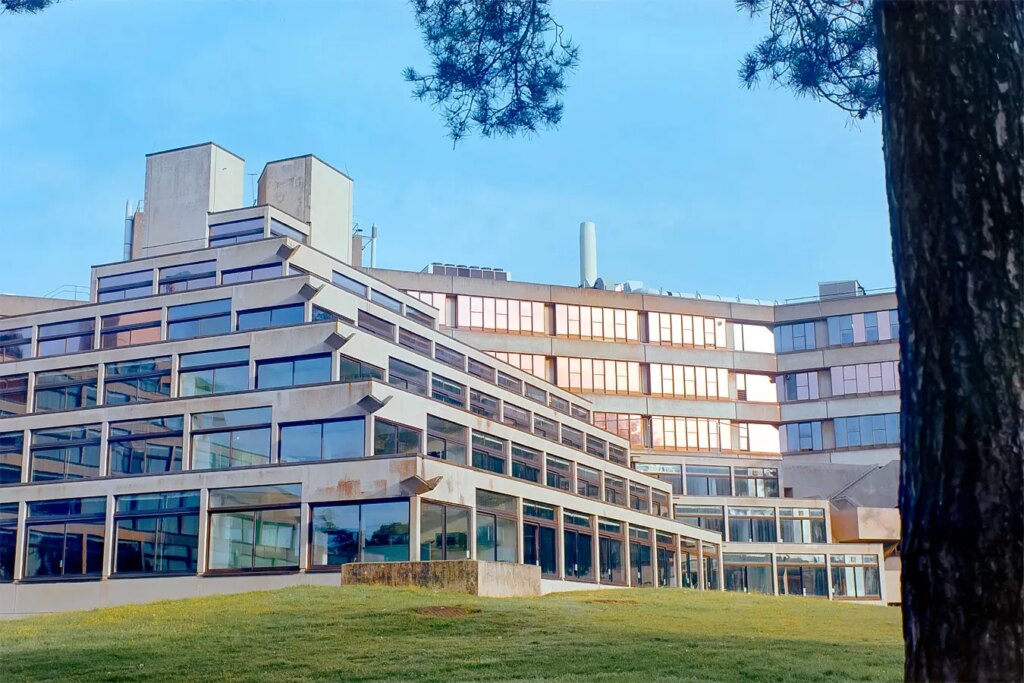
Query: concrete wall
[486, 579]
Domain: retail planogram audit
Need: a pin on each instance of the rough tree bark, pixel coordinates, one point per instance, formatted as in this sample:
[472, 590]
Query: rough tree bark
[952, 123]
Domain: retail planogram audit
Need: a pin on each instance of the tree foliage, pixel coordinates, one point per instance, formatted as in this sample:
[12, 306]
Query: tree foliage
[498, 66]
[824, 49]
[25, 6]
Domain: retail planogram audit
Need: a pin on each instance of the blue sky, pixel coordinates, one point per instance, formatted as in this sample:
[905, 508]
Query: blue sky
[695, 183]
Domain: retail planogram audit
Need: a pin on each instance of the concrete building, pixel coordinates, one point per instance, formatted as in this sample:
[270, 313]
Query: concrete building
[240, 407]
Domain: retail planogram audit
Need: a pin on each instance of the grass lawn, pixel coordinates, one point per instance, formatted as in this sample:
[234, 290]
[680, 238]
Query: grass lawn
[363, 634]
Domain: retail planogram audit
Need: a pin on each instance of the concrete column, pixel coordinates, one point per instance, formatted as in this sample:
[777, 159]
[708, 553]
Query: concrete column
[108, 538]
[202, 556]
[414, 528]
[627, 558]
[26, 456]
[520, 543]
[104, 449]
[186, 442]
[700, 565]
[101, 380]
[21, 542]
[828, 575]
[596, 549]
[560, 542]
[775, 575]
[304, 545]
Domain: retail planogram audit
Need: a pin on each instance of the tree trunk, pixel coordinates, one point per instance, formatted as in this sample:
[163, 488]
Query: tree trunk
[953, 126]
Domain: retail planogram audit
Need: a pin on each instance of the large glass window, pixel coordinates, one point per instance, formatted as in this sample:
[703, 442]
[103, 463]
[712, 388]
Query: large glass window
[748, 573]
[66, 453]
[577, 546]
[676, 329]
[238, 275]
[281, 230]
[146, 446]
[855, 576]
[540, 537]
[353, 370]
[609, 550]
[449, 357]
[500, 315]
[67, 337]
[689, 562]
[66, 389]
[444, 532]
[231, 438]
[757, 482]
[514, 416]
[794, 337]
[275, 316]
[13, 395]
[11, 447]
[602, 324]
[201, 319]
[798, 386]
[711, 566]
[137, 381]
[414, 342]
[236, 232]
[525, 463]
[707, 480]
[15, 344]
[126, 329]
[559, 473]
[293, 372]
[407, 376]
[367, 532]
[802, 525]
[800, 436]
[254, 528]
[542, 426]
[391, 438]
[752, 525]
[867, 430]
[446, 440]
[640, 556]
[483, 404]
[865, 378]
[689, 433]
[447, 391]
[573, 438]
[702, 516]
[625, 425]
[686, 381]
[325, 440]
[588, 482]
[639, 497]
[188, 277]
[591, 375]
[858, 328]
[489, 453]
[124, 286]
[350, 284]
[213, 372]
[802, 575]
[8, 540]
[496, 527]
[376, 326]
[64, 538]
[670, 474]
[157, 533]
[614, 490]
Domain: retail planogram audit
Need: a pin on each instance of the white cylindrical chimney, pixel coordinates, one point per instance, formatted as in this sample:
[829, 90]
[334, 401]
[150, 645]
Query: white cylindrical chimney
[588, 254]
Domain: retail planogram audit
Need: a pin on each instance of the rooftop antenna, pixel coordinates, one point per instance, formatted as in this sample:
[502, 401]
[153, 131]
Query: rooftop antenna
[252, 183]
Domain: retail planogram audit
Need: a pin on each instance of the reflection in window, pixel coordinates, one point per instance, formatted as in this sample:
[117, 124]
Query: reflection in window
[707, 480]
[500, 315]
[860, 328]
[275, 316]
[702, 516]
[137, 381]
[231, 438]
[239, 275]
[236, 232]
[496, 527]
[145, 446]
[559, 473]
[598, 376]
[408, 376]
[323, 440]
[690, 434]
[390, 438]
[798, 386]
[13, 395]
[578, 546]
[800, 436]
[254, 528]
[353, 370]
[444, 532]
[757, 482]
[435, 299]
[802, 525]
[8, 540]
[688, 381]
[213, 372]
[446, 440]
[201, 319]
[748, 573]
[66, 389]
[802, 575]
[624, 425]
[590, 322]
[368, 532]
[540, 537]
[157, 533]
[64, 538]
[124, 286]
[11, 447]
[534, 364]
[489, 453]
[865, 378]
[752, 525]
[67, 337]
[867, 430]
[677, 329]
[610, 541]
[15, 344]
[293, 372]
[126, 329]
[795, 337]
[66, 453]
[188, 277]
[855, 576]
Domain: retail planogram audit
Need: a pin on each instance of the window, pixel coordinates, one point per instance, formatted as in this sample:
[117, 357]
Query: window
[540, 537]
[188, 277]
[124, 286]
[353, 370]
[515, 416]
[865, 378]
[66, 453]
[618, 454]
[489, 453]
[478, 369]
[624, 425]
[800, 436]
[525, 463]
[578, 546]
[855, 576]
[293, 372]
[68, 337]
[437, 300]
[707, 480]
[145, 446]
[559, 473]
[690, 433]
[376, 326]
[254, 528]
[796, 337]
[126, 329]
[367, 532]
[639, 497]
[558, 403]
[13, 395]
[386, 301]
[64, 538]
[496, 527]
[597, 376]
[11, 447]
[281, 230]
[231, 438]
[323, 315]
[236, 232]
[752, 525]
[213, 372]
[511, 383]
[444, 532]
[609, 550]
[867, 430]
[536, 394]
[390, 438]
[352, 285]
[199, 320]
[157, 533]
[65, 389]
[410, 377]
[670, 474]
[483, 404]
[597, 447]
[252, 274]
[446, 440]
[15, 344]
[689, 381]
[661, 504]
[419, 316]
[511, 316]
[689, 561]
[275, 316]
[799, 386]
[602, 324]
[414, 342]
[449, 357]
[323, 440]
[640, 556]
[573, 438]
[702, 516]
[710, 566]
[447, 391]
[588, 482]
[137, 381]
[542, 426]
[614, 490]
[871, 327]
[758, 482]
[802, 575]
[8, 540]
[802, 525]
[748, 573]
